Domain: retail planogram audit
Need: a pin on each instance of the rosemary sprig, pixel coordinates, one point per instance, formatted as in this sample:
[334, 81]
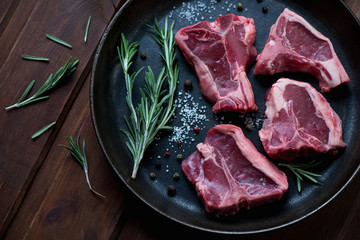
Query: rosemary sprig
[298, 169]
[42, 130]
[34, 58]
[156, 104]
[58, 40]
[75, 151]
[87, 29]
[50, 83]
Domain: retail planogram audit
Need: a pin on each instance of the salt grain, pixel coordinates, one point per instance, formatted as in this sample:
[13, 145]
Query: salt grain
[191, 11]
[191, 114]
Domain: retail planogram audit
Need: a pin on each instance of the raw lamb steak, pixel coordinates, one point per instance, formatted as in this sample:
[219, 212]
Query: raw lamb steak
[229, 173]
[300, 122]
[221, 52]
[295, 46]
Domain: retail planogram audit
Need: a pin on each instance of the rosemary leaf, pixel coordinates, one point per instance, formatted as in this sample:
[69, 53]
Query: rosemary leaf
[80, 157]
[58, 40]
[29, 101]
[298, 169]
[42, 130]
[50, 83]
[156, 105]
[34, 58]
[27, 90]
[309, 175]
[298, 184]
[87, 29]
[297, 175]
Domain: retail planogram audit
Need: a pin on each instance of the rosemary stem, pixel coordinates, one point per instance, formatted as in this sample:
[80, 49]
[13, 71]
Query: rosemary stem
[129, 86]
[298, 169]
[20, 104]
[12, 106]
[141, 147]
[156, 106]
[49, 84]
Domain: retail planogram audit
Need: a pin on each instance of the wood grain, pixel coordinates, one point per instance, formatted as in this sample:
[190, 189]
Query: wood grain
[354, 6]
[7, 9]
[12, 24]
[59, 195]
[66, 20]
[43, 191]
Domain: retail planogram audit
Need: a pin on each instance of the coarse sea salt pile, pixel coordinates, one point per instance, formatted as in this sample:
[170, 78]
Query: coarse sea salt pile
[191, 11]
[191, 114]
[196, 11]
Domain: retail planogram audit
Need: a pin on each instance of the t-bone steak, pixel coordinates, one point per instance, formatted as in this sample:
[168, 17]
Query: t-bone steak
[229, 173]
[221, 52]
[300, 122]
[295, 46]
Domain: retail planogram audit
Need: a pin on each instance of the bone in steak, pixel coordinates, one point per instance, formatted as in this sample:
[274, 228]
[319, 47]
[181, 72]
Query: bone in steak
[295, 46]
[300, 122]
[229, 173]
[221, 52]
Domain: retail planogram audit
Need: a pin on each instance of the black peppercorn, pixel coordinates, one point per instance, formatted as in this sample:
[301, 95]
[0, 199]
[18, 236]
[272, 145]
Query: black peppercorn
[143, 55]
[188, 85]
[179, 157]
[171, 190]
[240, 7]
[158, 164]
[264, 9]
[152, 176]
[176, 176]
[259, 1]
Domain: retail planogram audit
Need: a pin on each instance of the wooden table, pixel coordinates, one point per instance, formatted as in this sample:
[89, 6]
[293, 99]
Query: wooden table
[43, 191]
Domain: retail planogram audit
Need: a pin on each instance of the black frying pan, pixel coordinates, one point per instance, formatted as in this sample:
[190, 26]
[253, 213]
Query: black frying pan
[108, 107]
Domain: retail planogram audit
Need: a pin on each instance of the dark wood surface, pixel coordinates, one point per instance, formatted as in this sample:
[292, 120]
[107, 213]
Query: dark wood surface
[43, 191]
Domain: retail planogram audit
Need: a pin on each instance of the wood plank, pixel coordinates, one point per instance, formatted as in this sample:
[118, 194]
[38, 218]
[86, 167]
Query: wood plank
[59, 196]
[65, 19]
[354, 5]
[10, 29]
[51, 208]
[4, 9]
[351, 224]
[7, 8]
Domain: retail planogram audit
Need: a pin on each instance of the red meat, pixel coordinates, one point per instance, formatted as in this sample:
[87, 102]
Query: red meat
[229, 173]
[300, 122]
[221, 52]
[295, 46]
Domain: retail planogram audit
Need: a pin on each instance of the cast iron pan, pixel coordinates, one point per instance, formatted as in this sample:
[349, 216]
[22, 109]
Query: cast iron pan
[108, 107]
